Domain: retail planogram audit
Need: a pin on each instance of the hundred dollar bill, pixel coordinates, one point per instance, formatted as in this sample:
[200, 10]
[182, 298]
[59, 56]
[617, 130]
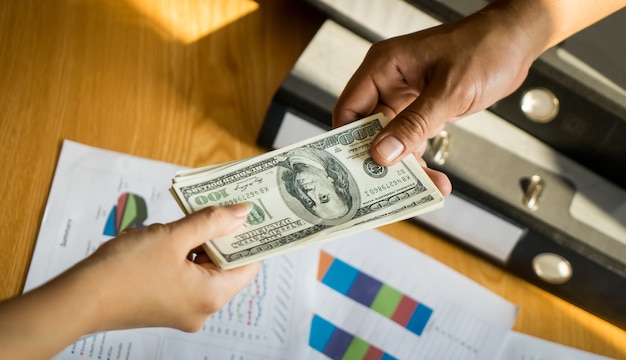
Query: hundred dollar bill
[316, 190]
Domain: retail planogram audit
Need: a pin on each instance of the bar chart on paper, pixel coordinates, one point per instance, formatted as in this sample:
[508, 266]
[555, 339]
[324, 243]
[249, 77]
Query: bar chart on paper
[373, 293]
[337, 343]
[376, 299]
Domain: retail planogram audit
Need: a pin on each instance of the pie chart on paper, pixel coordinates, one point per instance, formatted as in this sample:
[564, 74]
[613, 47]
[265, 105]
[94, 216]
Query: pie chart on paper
[130, 212]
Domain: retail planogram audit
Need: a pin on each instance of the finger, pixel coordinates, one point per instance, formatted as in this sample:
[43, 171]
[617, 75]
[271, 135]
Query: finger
[358, 99]
[415, 124]
[421, 149]
[378, 85]
[226, 283]
[420, 160]
[441, 180]
[240, 276]
[209, 223]
[362, 93]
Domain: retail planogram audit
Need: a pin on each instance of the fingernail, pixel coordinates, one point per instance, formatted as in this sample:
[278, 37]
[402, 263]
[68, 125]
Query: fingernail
[390, 148]
[241, 209]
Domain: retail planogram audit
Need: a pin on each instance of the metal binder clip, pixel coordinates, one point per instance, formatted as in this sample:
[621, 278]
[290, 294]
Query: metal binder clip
[533, 187]
[552, 268]
[540, 105]
[439, 147]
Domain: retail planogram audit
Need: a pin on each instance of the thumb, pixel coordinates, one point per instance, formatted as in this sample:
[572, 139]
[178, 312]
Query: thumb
[411, 128]
[210, 223]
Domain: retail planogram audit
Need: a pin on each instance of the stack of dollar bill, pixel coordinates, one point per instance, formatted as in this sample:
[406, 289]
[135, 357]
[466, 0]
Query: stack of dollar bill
[319, 189]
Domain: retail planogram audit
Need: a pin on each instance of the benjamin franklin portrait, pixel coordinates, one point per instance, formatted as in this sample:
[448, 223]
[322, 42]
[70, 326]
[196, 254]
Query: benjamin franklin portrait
[321, 186]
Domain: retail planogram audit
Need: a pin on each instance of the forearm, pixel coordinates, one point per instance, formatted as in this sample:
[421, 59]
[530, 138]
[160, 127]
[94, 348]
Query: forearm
[570, 16]
[41, 323]
[545, 23]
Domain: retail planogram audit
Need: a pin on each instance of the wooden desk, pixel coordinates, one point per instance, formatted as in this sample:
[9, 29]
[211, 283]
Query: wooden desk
[186, 82]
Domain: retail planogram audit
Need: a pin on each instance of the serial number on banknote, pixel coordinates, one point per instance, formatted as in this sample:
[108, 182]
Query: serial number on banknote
[389, 185]
[249, 195]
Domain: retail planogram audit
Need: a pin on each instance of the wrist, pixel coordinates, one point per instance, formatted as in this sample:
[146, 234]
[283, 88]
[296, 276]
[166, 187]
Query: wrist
[101, 284]
[524, 24]
[79, 294]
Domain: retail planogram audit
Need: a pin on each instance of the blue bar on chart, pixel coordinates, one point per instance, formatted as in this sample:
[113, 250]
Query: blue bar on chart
[337, 343]
[373, 293]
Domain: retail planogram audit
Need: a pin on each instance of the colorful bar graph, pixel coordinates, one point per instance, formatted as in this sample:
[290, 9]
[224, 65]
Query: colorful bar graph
[372, 293]
[337, 343]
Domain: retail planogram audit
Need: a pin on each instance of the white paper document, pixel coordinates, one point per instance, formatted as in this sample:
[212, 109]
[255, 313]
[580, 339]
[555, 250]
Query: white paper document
[520, 346]
[365, 296]
[96, 194]
[378, 295]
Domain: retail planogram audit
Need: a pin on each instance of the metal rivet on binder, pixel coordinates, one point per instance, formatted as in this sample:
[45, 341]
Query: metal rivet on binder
[533, 188]
[439, 148]
[552, 268]
[540, 105]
